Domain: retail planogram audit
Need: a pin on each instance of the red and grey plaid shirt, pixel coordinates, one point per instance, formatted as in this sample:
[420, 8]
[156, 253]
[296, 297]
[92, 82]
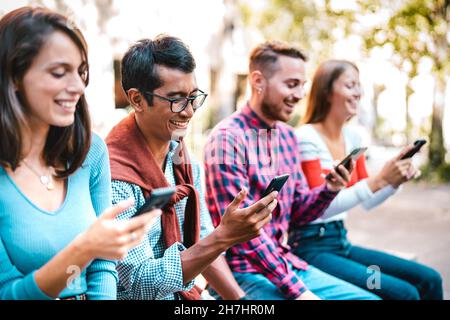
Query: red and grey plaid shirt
[243, 151]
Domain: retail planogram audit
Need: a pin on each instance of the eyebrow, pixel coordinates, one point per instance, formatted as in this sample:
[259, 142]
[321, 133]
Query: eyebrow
[64, 64]
[298, 80]
[181, 93]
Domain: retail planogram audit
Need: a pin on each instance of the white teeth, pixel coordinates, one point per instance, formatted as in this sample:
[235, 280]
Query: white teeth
[68, 105]
[179, 123]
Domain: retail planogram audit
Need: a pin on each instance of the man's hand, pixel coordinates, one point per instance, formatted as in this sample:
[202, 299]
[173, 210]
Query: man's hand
[241, 225]
[339, 181]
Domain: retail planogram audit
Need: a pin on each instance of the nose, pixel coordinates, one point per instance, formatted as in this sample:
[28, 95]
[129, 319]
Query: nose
[76, 85]
[299, 94]
[188, 112]
[357, 93]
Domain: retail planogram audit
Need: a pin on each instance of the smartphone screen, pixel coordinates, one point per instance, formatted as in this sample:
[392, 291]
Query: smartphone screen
[353, 155]
[276, 184]
[157, 200]
[417, 145]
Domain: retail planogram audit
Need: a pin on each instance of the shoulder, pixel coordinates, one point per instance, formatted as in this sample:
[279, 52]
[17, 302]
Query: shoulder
[122, 190]
[97, 150]
[228, 131]
[307, 133]
[196, 168]
[236, 121]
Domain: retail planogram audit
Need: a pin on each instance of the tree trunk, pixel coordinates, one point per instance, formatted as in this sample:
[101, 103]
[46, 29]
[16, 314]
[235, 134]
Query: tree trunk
[437, 150]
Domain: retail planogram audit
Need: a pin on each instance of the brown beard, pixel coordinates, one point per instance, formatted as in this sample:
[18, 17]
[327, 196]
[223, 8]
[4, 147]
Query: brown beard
[267, 110]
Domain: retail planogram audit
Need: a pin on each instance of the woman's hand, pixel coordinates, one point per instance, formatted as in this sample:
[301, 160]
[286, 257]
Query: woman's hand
[109, 238]
[394, 172]
[340, 177]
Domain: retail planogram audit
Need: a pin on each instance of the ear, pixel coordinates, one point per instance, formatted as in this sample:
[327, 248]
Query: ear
[15, 84]
[136, 99]
[257, 81]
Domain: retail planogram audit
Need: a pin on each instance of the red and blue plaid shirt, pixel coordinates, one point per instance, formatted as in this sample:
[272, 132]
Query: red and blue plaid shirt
[243, 151]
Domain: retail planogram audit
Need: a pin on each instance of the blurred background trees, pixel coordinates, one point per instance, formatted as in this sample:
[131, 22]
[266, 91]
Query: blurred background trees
[401, 48]
[414, 30]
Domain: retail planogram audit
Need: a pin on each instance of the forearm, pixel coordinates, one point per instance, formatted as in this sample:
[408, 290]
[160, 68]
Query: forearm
[53, 276]
[198, 257]
[376, 183]
[348, 199]
[102, 280]
[221, 279]
[311, 204]
[379, 197]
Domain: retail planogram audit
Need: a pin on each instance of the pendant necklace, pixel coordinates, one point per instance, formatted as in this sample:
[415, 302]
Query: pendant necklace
[46, 180]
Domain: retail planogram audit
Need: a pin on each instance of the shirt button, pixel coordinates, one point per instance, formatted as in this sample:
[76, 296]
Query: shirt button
[321, 231]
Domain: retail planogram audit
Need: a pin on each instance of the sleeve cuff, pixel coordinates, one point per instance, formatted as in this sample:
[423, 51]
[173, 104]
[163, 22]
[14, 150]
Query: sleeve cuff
[363, 191]
[32, 290]
[327, 193]
[291, 286]
[172, 254]
[102, 280]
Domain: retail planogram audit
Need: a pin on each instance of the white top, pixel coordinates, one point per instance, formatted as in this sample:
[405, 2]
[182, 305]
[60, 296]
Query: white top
[312, 146]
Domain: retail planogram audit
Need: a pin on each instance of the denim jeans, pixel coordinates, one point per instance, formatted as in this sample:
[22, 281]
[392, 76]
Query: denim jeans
[326, 287]
[326, 247]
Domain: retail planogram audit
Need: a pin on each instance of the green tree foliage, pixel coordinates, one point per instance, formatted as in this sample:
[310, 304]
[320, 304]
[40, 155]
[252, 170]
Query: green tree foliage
[420, 28]
[414, 28]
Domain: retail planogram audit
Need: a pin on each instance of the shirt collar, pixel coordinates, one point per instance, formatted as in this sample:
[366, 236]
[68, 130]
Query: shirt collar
[254, 120]
[172, 146]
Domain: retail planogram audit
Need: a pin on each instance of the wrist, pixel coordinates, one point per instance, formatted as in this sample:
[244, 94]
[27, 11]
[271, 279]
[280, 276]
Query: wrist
[221, 239]
[377, 183]
[82, 248]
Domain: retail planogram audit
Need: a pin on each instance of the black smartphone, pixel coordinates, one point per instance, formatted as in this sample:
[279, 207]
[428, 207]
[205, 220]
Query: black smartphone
[353, 155]
[417, 145]
[276, 184]
[157, 200]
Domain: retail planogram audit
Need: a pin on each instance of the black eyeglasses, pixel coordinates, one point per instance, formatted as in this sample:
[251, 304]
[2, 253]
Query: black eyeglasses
[179, 104]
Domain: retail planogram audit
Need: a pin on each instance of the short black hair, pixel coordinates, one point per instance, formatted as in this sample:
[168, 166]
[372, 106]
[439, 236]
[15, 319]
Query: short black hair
[139, 63]
[264, 57]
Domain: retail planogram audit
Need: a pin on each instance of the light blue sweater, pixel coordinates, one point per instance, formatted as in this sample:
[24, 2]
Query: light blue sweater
[30, 236]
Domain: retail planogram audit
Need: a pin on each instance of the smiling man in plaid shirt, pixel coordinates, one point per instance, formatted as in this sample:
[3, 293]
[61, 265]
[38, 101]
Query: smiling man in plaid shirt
[247, 150]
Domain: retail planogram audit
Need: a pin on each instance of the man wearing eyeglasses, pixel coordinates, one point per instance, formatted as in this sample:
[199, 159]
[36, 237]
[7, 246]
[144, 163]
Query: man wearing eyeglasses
[147, 152]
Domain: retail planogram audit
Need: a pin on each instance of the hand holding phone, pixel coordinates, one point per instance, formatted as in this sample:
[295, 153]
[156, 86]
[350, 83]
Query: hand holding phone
[418, 144]
[276, 184]
[157, 200]
[353, 155]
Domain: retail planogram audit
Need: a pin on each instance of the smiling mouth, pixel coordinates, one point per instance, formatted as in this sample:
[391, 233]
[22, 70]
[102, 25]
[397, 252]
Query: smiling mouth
[291, 106]
[353, 103]
[180, 124]
[67, 104]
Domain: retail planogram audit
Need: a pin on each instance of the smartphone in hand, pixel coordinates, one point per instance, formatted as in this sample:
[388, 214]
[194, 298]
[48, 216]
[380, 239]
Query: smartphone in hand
[417, 145]
[157, 200]
[276, 184]
[353, 155]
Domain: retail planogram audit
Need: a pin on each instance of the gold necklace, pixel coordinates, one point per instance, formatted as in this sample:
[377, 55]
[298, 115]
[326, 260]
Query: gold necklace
[46, 180]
